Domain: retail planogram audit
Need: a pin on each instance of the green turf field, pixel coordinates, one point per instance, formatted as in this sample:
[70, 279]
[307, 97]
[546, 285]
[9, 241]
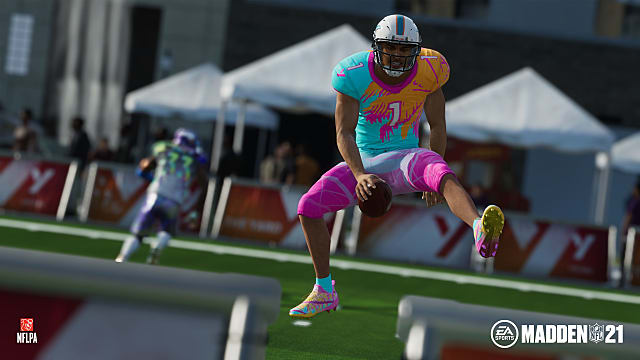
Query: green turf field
[365, 326]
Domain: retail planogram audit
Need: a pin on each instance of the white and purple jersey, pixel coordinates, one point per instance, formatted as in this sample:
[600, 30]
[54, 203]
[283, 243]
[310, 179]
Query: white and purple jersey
[175, 170]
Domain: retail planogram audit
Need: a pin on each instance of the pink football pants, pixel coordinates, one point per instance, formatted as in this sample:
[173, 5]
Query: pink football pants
[405, 171]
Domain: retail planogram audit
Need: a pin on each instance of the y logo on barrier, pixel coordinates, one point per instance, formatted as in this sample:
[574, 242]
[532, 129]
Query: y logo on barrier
[519, 240]
[584, 256]
[39, 179]
[582, 244]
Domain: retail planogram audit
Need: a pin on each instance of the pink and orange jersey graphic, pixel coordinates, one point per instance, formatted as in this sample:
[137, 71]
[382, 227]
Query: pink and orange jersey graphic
[389, 117]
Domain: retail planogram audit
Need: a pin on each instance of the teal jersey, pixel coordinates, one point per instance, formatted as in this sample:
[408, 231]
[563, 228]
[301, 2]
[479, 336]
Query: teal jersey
[174, 171]
[389, 115]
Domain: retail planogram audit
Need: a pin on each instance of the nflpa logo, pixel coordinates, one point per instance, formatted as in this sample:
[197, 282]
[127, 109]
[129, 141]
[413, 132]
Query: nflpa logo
[26, 334]
[26, 324]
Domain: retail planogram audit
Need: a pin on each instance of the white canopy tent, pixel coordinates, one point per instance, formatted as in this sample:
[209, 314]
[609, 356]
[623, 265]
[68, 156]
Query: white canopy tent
[298, 78]
[195, 94]
[524, 110]
[625, 154]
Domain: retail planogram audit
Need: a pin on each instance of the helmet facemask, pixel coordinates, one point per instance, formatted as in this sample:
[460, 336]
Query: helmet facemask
[407, 61]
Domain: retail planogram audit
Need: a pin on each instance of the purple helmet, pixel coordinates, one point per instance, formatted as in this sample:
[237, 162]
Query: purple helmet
[186, 139]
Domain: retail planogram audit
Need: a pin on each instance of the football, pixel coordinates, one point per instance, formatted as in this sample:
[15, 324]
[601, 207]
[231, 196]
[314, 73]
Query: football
[379, 202]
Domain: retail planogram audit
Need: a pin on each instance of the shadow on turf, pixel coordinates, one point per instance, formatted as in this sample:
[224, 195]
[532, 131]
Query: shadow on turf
[389, 310]
[378, 309]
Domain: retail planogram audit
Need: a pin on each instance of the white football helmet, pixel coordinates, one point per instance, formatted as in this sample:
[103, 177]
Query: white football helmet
[398, 29]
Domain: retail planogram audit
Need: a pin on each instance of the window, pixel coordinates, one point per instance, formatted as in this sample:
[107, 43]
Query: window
[631, 21]
[20, 34]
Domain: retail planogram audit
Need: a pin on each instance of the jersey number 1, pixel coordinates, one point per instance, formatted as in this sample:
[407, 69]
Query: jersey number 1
[395, 112]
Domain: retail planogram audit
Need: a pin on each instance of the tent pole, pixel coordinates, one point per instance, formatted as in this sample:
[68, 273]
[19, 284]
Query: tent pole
[603, 163]
[273, 140]
[218, 137]
[238, 133]
[262, 143]
[593, 204]
[143, 127]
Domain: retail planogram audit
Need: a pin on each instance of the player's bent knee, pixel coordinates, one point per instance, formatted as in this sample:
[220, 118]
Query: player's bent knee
[446, 177]
[436, 172]
[307, 207]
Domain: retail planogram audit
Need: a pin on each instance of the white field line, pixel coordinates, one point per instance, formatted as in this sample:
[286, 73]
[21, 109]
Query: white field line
[342, 264]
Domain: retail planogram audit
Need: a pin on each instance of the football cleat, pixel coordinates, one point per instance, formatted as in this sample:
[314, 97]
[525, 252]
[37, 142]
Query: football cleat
[318, 301]
[487, 231]
[152, 259]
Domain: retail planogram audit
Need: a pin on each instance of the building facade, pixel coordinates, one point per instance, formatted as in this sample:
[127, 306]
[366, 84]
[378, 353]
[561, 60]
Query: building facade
[79, 58]
[72, 57]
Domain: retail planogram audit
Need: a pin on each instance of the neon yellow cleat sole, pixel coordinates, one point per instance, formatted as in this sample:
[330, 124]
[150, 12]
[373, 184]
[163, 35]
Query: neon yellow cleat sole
[488, 234]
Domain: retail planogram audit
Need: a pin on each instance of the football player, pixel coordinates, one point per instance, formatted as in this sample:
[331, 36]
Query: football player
[381, 94]
[170, 169]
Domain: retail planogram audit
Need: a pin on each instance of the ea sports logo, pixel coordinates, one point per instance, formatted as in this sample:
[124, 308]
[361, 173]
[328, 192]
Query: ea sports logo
[504, 334]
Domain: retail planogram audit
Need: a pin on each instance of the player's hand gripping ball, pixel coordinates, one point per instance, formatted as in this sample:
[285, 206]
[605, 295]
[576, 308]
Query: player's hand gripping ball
[147, 164]
[379, 202]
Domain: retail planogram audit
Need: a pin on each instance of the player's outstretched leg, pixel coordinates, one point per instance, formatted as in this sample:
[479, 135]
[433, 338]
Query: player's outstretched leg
[129, 247]
[157, 247]
[487, 228]
[427, 171]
